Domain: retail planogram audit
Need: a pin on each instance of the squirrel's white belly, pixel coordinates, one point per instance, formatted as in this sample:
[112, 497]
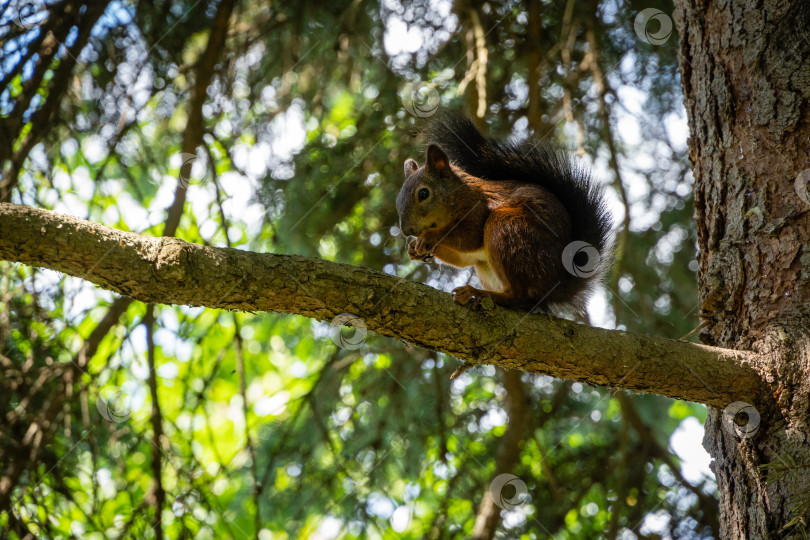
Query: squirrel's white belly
[486, 275]
[473, 258]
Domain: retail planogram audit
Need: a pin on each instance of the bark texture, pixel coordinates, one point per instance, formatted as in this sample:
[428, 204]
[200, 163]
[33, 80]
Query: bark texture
[746, 75]
[171, 271]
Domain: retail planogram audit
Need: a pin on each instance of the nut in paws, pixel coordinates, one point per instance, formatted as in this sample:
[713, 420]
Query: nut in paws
[419, 250]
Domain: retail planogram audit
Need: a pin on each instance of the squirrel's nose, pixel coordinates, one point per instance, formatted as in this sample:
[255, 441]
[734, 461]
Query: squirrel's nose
[407, 230]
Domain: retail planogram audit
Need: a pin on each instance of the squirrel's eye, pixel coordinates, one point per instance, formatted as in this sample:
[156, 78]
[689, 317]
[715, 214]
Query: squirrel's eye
[423, 194]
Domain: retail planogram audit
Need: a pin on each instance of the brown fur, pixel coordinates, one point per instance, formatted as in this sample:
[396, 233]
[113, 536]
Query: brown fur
[511, 232]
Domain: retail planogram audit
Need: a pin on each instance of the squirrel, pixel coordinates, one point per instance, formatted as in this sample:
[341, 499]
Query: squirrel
[533, 223]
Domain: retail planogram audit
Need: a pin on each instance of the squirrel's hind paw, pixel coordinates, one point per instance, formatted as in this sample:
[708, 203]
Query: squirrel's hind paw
[480, 299]
[463, 295]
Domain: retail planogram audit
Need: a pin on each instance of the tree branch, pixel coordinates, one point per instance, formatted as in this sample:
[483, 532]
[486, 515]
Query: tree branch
[171, 271]
[157, 425]
[488, 518]
[192, 136]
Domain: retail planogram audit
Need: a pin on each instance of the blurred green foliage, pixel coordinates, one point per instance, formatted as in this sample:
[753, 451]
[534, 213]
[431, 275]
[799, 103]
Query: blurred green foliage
[304, 136]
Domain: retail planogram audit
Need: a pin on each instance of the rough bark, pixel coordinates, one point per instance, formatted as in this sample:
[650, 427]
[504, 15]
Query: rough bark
[170, 271]
[746, 78]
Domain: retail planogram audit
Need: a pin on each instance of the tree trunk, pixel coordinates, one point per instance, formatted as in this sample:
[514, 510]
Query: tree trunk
[745, 67]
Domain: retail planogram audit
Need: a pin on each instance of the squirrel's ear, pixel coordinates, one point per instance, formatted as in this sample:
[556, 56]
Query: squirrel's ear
[410, 167]
[437, 159]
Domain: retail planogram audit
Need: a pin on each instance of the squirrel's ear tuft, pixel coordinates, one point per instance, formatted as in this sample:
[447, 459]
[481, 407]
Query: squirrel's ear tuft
[410, 167]
[437, 159]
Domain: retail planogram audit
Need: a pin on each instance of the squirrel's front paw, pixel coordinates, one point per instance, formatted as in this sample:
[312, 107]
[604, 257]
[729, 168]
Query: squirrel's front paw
[419, 249]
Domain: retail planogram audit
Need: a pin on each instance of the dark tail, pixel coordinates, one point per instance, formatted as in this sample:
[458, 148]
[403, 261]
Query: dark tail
[531, 161]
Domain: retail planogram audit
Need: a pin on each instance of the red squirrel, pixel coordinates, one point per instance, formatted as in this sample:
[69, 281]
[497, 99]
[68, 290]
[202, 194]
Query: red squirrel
[532, 223]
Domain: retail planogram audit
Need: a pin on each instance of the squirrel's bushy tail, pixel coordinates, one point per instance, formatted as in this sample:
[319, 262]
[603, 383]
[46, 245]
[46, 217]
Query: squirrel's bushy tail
[539, 163]
[531, 161]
